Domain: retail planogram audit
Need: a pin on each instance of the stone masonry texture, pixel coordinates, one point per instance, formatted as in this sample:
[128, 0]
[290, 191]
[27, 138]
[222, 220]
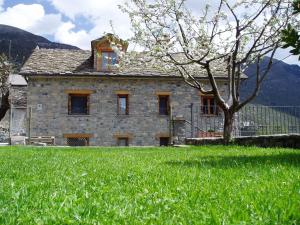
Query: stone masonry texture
[49, 103]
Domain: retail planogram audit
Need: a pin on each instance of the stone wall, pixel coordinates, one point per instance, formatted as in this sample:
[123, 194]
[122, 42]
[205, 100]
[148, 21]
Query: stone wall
[18, 96]
[18, 100]
[49, 103]
[286, 140]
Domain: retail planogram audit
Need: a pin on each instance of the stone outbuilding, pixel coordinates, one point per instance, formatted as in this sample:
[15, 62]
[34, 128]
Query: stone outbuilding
[14, 122]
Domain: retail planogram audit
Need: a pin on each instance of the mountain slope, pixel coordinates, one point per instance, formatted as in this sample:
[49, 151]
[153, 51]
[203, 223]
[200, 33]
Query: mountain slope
[280, 88]
[23, 43]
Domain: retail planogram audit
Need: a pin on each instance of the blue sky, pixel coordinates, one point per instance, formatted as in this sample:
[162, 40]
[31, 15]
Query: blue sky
[77, 22]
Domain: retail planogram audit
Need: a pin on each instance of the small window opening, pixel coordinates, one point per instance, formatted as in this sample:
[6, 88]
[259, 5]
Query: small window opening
[164, 141]
[123, 141]
[84, 141]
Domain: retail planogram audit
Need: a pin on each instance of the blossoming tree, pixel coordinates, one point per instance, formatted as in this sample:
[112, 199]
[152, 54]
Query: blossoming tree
[224, 36]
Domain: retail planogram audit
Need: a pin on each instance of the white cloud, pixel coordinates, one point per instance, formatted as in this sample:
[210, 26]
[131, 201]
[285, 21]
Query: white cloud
[47, 25]
[99, 14]
[88, 8]
[31, 18]
[22, 16]
[65, 34]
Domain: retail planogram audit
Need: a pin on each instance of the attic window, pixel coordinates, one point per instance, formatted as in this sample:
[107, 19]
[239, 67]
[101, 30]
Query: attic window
[108, 60]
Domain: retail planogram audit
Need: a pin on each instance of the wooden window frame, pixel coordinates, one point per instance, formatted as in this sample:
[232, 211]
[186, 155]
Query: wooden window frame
[168, 104]
[78, 94]
[126, 96]
[209, 99]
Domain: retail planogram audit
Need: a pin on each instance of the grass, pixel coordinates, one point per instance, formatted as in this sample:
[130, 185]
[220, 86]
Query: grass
[197, 185]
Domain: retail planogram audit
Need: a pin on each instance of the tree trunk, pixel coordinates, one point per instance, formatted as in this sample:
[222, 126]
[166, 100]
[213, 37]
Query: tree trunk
[4, 104]
[228, 127]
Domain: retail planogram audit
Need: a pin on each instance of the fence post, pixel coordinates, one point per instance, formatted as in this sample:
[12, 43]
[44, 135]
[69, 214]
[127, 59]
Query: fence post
[192, 120]
[29, 124]
[171, 125]
[10, 122]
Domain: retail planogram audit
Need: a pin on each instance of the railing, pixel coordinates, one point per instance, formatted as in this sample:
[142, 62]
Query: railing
[207, 121]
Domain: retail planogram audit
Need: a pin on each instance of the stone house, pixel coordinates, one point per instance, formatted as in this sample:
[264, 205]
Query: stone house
[76, 96]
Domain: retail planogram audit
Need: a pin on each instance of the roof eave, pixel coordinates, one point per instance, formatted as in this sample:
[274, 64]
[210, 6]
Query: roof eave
[83, 75]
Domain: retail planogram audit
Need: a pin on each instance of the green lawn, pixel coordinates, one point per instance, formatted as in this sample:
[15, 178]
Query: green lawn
[197, 185]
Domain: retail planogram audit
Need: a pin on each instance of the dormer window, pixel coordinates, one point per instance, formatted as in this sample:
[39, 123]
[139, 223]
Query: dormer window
[109, 60]
[104, 58]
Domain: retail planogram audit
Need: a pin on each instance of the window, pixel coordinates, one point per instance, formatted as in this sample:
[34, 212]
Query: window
[123, 104]
[209, 105]
[77, 139]
[84, 141]
[78, 104]
[109, 59]
[123, 141]
[163, 101]
[164, 141]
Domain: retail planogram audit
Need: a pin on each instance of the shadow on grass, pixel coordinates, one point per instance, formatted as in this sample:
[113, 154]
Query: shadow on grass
[290, 159]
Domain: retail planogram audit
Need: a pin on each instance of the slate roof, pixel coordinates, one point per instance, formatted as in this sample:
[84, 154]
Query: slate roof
[63, 62]
[57, 61]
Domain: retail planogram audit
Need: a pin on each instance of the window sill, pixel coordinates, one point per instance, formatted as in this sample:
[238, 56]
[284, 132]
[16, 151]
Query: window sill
[79, 115]
[162, 115]
[107, 70]
[210, 115]
[123, 115]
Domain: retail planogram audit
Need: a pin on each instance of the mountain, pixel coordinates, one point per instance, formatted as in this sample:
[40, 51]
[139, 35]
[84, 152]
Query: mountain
[23, 43]
[280, 88]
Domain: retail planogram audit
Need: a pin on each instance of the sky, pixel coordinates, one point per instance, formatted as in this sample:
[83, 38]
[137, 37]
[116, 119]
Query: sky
[77, 22]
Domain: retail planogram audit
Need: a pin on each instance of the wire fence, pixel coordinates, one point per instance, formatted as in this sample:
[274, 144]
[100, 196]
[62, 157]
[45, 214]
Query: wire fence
[252, 120]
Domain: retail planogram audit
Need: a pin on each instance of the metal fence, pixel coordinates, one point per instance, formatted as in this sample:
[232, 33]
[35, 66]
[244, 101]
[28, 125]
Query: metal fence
[207, 121]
